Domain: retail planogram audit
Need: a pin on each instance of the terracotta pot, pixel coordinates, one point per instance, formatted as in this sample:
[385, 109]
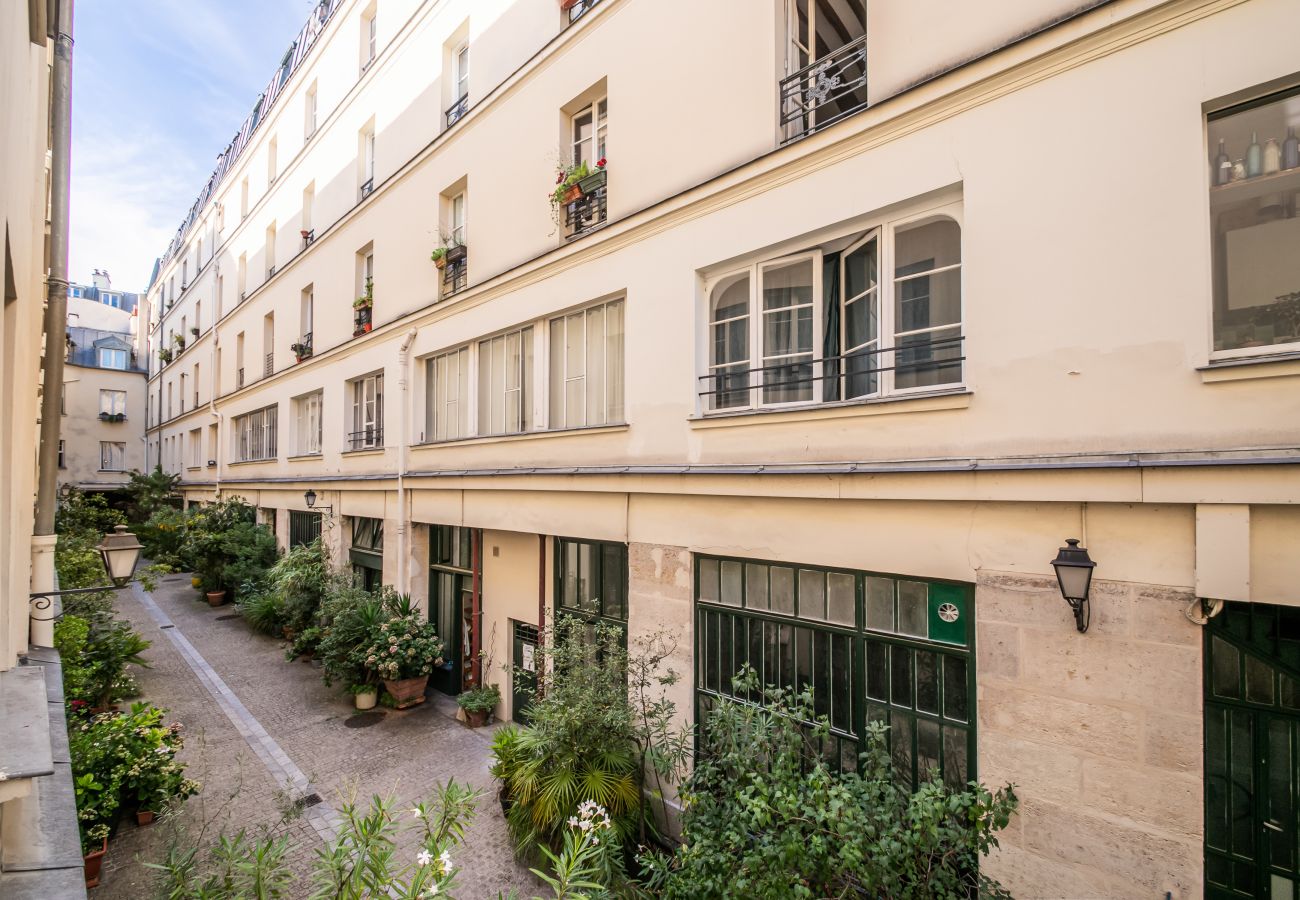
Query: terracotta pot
[216, 598]
[408, 691]
[440, 262]
[144, 817]
[365, 328]
[572, 194]
[476, 718]
[94, 861]
[366, 700]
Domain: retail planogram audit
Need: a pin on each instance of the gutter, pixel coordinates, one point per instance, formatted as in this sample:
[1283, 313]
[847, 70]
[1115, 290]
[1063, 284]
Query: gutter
[403, 446]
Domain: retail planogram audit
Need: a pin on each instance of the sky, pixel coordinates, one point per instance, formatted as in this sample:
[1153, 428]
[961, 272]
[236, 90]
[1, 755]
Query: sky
[159, 87]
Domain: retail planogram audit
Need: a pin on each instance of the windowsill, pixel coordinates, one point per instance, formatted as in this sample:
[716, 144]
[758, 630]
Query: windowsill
[251, 462]
[193, 468]
[301, 456]
[523, 435]
[1246, 368]
[365, 451]
[111, 471]
[932, 401]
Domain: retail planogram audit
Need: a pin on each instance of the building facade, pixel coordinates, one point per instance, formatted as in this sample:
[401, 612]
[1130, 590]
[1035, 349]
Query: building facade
[836, 337]
[100, 290]
[104, 389]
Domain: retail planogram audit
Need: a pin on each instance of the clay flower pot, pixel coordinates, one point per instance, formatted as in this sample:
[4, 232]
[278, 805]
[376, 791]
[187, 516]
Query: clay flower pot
[573, 194]
[94, 862]
[144, 817]
[216, 598]
[408, 691]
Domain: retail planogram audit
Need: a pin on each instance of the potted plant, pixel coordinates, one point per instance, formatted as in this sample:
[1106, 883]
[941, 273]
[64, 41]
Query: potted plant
[94, 859]
[301, 350]
[567, 189]
[165, 355]
[364, 696]
[306, 233]
[478, 704]
[439, 256]
[363, 305]
[194, 331]
[402, 651]
[594, 181]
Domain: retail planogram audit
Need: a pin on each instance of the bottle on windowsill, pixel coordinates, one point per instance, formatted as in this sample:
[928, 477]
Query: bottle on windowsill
[1254, 157]
[1222, 166]
[1290, 150]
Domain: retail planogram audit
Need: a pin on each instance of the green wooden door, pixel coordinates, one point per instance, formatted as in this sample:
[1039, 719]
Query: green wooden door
[524, 679]
[1252, 753]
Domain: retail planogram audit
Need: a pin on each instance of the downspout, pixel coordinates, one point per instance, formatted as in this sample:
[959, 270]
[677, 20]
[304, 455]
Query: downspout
[216, 378]
[403, 440]
[56, 303]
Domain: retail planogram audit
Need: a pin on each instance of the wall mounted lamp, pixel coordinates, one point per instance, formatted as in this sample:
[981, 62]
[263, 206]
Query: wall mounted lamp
[1074, 568]
[310, 497]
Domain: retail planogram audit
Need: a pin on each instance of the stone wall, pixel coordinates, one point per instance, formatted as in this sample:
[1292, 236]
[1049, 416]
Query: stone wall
[1100, 733]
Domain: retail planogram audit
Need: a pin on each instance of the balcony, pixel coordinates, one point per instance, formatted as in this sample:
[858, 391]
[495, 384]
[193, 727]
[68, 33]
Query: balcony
[367, 187]
[457, 110]
[576, 9]
[268, 369]
[112, 417]
[455, 270]
[361, 320]
[308, 235]
[302, 349]
[587, 213]
[367, 439]
[239, 378]
[270, 272]
[825, 91]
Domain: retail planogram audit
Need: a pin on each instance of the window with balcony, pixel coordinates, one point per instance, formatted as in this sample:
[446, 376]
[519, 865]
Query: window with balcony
[369, 37]
[307, 423]
[239, 360]
[367, 155]
[268, 345]
[447, 396]
[367, 396]
[826, 64]
[308, 230]
[309, 111]
[272, 161]
[586, 207]
[460, 83]
[454, 263]
[243, 201]
[1255, 224]
[112, 405]
[306, 313]
[505, 375]
[255, 434]
[112, 456]
[363, 306]
[822, 326]
[586, 361]
[573, 10]
[62, 464]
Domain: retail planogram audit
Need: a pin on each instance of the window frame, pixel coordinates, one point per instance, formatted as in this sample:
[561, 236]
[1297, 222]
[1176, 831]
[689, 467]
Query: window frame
[460, 71]
[526, 403]
[105, 460]
[114, 407]
[598, 557]
[309, 441]
[599, 131]
[245, 437]
[436, 405]
[367, 413]
[113, 351]
[561, 321]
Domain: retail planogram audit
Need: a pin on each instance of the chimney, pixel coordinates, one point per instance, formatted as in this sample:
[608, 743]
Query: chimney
[102, 280]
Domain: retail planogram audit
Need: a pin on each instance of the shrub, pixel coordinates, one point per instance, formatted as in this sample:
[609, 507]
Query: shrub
[163, 537]
[225, 547]
[250, 553]
[152, 493]
[82, 512]
[483, 699]
[264, 611]
[348, 616]
[404, 645]
[301, 578]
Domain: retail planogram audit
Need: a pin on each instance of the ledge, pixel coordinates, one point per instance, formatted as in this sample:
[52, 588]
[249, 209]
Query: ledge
[252, 462]
[879, 406]
[1249, 368]
[25, 749]
[365, 451]
[302, 456]
[522, 436]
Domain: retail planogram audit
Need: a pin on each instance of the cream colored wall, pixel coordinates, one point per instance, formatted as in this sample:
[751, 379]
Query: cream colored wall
[510, 591]
[82, 429]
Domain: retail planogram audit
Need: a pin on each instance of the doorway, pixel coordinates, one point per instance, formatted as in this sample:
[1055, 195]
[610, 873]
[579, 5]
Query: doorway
[451, 605]
[1252, 752]
[523, 656]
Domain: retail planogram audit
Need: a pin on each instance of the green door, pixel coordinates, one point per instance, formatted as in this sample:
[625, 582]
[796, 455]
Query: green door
[1252, 752]
[524, 680]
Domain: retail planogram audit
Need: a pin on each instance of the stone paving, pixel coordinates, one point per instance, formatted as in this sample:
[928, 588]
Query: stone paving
[261, 731]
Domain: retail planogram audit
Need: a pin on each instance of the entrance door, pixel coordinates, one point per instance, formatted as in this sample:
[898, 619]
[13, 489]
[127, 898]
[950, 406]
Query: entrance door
[1252, 752]
[449, 608]
[523, 682]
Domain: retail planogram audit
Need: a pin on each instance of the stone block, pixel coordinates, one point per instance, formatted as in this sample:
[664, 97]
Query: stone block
[1052, 720]
[1110, 607]
[1110, 670]
[1159, 614]
[1027, 874]
[1168, 800]
[1173, 741]
[1036, 769]
[1020, 600]
[997, 647]
[661, 570]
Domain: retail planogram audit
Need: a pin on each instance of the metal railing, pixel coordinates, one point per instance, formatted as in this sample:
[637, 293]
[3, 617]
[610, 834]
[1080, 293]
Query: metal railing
[239, 377]
[824, 91]
[457, 110]
[308, 236]
[851, 375]
[454, 276]
[586, 213]
[368, 439]
[366, 187]
[270, 272]
[579, 9]
[269, 369]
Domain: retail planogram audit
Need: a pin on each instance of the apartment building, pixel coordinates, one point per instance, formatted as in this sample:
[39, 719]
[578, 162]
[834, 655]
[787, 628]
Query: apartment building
[101, 290]
[858, 311]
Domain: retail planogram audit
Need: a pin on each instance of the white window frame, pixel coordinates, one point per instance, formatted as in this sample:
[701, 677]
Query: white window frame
[369, 144]
[457, 213]
[887, 232]
[311, 101]
[367, 414]
[113, 354]
[598, 110]
[112, 401]
[370, 32]
[110, 452]
[255, 434]
[448, 395]
[196, 448]
[559, 369]
[309, 423]
[460, 69]
[521, 399]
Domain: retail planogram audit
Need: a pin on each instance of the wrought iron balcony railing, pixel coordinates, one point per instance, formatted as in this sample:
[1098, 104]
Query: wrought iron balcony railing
[825, 91]
[456, 270]
[269, 369]
[457, 110]
[586, 213]
[239, 377]
[578, 8]
[366, 187]
[367, 439]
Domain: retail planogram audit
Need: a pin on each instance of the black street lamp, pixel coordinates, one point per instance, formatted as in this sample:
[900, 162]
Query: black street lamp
[1074, 568]
[309, 496]
[121, 552]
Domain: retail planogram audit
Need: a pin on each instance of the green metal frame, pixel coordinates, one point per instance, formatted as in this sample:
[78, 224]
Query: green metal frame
[860, 638]
[557, 582]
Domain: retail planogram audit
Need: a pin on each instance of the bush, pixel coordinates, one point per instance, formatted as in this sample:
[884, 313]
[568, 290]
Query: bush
[163, 537]
[95, 656]
[264, 611]
[153, 493]
[301, 579]
[250, 553]
[225, 547]
[349, 614]
[767, 818]
[82, 512]
[404, 645]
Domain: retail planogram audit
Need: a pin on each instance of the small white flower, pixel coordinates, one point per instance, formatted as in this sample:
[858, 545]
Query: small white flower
[431, 892]
[573, 821]
[424, 858]
[418, 813]
[444, 858]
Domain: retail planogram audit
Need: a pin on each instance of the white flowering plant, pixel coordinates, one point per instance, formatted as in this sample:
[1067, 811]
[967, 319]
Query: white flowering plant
[404, 646]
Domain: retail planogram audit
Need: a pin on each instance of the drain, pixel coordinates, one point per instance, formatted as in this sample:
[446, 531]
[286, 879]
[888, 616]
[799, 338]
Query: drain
[166, 626]
[363, 720]
[231, 616]
[303, 802]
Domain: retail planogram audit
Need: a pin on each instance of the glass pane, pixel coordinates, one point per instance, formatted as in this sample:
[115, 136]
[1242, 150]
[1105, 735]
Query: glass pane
[588, 599]
[913, 608]
[860, 270]
[1255, 173]
[927, 749]
[788, 332]
[955, 768]
[877, 670]
[900, 676]
[842, 598]
[928, 358]
[569, 579]
[1242, 781]
[785, 639]
[732, 592]
[821, 672]
[1225, 669]
[756, 586]
[614, 362]
[771, 655]
[596, 410]
[1259, 680]
[1281, 788]
[710, 650]
[841, 679]
[804, 659]
[1290, 692]
[900, 745]
[812, 594]
[1217, 817]
[614, 583]
[557, 374]
[739, 651]
[956, 700]
[709, 581]
[782, 590]
[880, 604]
[927, 681]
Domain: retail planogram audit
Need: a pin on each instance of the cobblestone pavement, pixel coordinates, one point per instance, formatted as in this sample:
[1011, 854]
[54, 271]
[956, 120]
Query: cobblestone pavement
[402, 753]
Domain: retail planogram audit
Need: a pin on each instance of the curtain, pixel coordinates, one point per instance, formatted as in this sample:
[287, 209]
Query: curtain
[831, 332]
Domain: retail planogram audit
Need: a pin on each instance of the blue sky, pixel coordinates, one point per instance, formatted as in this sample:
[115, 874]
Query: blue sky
[159, 88]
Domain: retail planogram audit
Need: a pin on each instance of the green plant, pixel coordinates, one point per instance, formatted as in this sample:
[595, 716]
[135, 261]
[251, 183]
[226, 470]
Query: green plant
[235, 867]
[349, 615]
[152, 493]
[591, 850]
[250, 551]
[225, 547]
[482, 699]
[438, 253]
[405, 645]
[767, 817]
[263, 610]
[355, 689]
[565, 178]
[163, 536]
[301, 578]
[95, 656]
[304, 644]
[81, 512]
[367, 298]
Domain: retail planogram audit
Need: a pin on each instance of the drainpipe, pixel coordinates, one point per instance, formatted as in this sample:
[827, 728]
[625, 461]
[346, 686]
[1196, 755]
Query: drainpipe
[216, 376]
[403, 441]
[56, 305]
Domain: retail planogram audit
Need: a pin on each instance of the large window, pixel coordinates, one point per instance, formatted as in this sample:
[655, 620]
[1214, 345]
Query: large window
[304, 527]
[255, 434]
[586, 362]
[820, 326]
[505, 374]
[873, 648]
[307, 423]
[367, 412]
[112, 456]
[111, 359]
[451, 604]
[447, 396]
[1254, 185]
[591, 580]
[112, 403]
[367, 552]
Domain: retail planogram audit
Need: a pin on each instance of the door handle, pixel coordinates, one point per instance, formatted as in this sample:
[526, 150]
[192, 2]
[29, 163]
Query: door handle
[1273, 826]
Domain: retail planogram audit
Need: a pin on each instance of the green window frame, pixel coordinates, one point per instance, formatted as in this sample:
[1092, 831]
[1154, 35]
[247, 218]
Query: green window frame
[872, 646]
[367, 552]
[591, 581]
[304, 527]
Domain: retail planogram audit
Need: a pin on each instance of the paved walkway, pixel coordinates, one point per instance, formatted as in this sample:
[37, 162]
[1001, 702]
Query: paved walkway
[262, 733]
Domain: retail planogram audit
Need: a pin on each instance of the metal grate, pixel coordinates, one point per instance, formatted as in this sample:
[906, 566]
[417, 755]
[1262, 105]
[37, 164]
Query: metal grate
[269, 368]
[586, 213]
[825, 91]
[367, 186]
[457, 110]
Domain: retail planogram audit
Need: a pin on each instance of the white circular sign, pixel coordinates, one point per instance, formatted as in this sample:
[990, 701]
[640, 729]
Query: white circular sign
[949, 612]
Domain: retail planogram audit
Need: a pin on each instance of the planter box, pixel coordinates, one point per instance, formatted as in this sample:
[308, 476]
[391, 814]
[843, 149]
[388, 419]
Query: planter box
[456, 254]
[593, 182]
[408, 691]
[573, 194]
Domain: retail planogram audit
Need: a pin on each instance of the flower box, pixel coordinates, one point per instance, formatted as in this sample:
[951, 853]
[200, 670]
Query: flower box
[593, 182]
[407, 691]
[457, 253]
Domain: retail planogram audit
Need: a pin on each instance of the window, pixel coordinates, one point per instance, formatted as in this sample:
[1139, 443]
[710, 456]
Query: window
[820, 326]
[309, 103]
[447, 396]
[113, 300]
[589, 128]
[111, 359]
[61, 461]
[586, 363]
[577, 9]
[306, 312]
[367, 161]
[803, 627]
[243, 207]
[826, 66]
[112, 456]
[307, 423]
[196, 447]
[308, 201]
[239, 360]
[505, 366]
[272, 152]
[591, 581]
[255, 434]
[369, 34]
[1255, 225]
[367, 413]
[462, 71]
[268, 345]
[270, 250]
[367, 552]
[458, 220]
[112, 403]
[304, 527]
